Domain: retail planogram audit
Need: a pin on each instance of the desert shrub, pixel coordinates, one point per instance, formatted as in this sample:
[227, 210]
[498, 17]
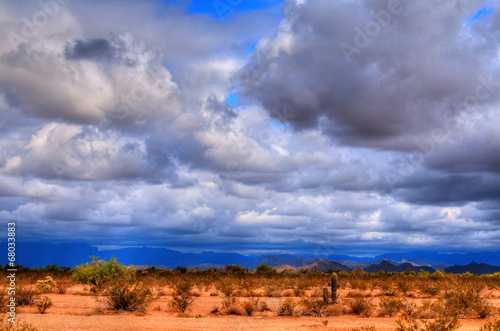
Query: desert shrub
[182, 296]
[274, 290]
[43, 304]
[438, 274]
[483, 308]
[491, 326]
[390, 306]
[427, 310]
[387, 288]
[361, 306]
[262, 306]
[264, 269]
[404, 285]
[45, 285]
[247, 287]
[19, 325]
[3, 301]
[334, 310]
[234, 309]
[62, 285]
[358, 284]
[286, 307]
[446, 318]
[466, 300]
[445, 323]
[430, 290]
[409, 307]
[26, 296]
[100, 272]
[180, 270]
[231, 306]
[250, 307]
[354, 294]
[298, 292]
[227, 287]
[228, 301]
[365, 328]
[235, 269]
[314, 305]
[125, 296]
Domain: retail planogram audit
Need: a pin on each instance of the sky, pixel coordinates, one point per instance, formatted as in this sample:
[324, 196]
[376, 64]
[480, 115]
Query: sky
[252, 126]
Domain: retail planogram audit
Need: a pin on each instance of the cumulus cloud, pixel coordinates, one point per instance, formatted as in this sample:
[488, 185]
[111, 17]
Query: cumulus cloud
[405, 73]
[121, 129]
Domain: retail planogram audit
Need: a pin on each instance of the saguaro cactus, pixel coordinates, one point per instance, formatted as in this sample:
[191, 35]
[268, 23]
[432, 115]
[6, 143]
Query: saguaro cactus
[334, 287]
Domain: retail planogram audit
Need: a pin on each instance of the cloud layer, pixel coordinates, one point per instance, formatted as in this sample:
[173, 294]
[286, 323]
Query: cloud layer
[359, 126]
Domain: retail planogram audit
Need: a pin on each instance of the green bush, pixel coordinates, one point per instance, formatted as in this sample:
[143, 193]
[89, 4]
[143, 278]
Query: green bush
[100, 272]
[265, 269]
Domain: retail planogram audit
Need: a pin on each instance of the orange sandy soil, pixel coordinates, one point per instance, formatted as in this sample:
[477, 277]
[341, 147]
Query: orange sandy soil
[73, 311]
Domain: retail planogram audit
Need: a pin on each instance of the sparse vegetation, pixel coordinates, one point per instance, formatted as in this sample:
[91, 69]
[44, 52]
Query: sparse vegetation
[126, 296]
[26, 296]
[286, 307]
[390, 306]
[43, 304]
[19, 325]
[491, 326]
[182, 296]
[361, 306]
[418, 302]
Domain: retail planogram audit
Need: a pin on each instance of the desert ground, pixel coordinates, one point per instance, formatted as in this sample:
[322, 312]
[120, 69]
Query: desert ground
[78, 309]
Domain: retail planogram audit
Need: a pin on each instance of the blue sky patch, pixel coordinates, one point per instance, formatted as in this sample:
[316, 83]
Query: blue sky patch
[219, 9]
[480, 14]
[232, 99]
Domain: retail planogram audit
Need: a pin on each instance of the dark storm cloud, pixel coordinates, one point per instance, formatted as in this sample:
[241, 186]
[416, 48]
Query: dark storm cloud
[94, 49]
[97, 49]
[407, 71]
[480, 156]
[449, 189]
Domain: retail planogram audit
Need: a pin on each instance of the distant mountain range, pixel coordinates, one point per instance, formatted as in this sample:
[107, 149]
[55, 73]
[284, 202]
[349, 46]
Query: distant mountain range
[389, 267]
[72, 254]
[473, 268]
